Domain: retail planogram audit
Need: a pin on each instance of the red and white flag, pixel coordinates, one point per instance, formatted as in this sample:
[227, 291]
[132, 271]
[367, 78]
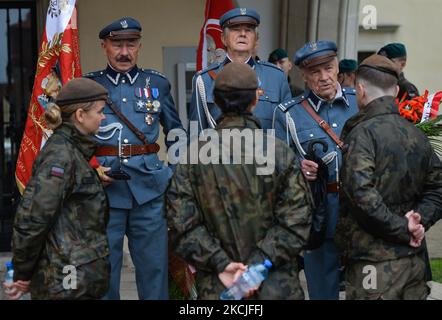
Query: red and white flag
[58, 62]
[211, 49]
[431, 107]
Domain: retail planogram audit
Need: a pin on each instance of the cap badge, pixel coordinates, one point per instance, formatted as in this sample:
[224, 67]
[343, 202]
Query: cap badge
[243, 11]
[313, 46]
[124, 24]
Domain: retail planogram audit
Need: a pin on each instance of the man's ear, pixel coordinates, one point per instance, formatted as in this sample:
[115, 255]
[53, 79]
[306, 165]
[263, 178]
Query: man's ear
[303, 75]
[340, 77]
[360, 87]
[223, 35]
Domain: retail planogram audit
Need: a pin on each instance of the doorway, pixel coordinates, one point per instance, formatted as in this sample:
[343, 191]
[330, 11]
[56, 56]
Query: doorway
[18, 54]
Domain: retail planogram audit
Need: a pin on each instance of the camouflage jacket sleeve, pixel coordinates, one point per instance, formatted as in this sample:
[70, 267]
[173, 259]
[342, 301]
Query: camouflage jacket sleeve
[190, 238]
[41, 202]
[430, 204]
[366, 203]
[292, 211]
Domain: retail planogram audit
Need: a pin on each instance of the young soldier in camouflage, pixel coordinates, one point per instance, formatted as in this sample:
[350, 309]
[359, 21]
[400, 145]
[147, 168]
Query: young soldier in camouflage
[391, 190]
[225, 216]
[61, 219]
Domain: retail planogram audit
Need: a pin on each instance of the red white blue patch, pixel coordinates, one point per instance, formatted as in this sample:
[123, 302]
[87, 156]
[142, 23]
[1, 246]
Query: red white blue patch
[57, 172]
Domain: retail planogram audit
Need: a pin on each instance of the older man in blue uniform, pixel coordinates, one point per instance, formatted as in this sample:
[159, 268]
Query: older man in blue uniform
[135, 193]
[324, 97]
[240, 36]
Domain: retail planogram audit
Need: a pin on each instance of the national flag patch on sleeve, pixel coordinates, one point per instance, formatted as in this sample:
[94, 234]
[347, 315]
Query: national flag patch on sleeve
[57, 171]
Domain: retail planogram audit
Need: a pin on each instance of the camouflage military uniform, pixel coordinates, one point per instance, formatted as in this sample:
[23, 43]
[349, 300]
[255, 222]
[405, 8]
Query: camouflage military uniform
[61, 221]
[389, 169]
[220, 213]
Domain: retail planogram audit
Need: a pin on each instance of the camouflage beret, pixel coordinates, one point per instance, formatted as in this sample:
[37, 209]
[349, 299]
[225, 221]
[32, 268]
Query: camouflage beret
[393, 50]
[236, 76]
[80, 90]
[382, 64]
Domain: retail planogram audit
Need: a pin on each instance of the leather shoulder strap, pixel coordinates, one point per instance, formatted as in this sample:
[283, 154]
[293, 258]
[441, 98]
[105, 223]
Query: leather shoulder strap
[212, 74]
[323, 124]
[137, 132]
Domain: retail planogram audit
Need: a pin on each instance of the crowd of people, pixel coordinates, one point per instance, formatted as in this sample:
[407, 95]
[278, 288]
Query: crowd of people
[376, 178]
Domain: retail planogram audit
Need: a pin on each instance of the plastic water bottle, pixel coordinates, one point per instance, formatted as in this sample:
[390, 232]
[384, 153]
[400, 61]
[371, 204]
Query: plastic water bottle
[252, 278]
[9, 277]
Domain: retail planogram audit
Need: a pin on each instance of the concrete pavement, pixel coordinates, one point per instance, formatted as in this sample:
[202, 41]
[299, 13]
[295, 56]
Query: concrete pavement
[129, 290]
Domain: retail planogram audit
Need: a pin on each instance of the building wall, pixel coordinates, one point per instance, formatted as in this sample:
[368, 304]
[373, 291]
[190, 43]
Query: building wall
[419, 27]
[269, 30]
[165, 23]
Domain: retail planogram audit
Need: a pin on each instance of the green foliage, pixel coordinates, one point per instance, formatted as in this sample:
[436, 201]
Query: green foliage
[433, 130]
[431, 127]
[436, 268]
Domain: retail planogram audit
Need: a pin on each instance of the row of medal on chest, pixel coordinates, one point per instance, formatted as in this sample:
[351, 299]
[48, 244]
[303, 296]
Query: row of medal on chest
[151, 106]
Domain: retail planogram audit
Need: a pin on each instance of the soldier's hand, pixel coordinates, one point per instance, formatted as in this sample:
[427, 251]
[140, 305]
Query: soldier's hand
[105, 180]
[12, 291]
[416, 229]
[415, 242]
[413, 215]
[22, 285]
[309, 169]
[231, 273]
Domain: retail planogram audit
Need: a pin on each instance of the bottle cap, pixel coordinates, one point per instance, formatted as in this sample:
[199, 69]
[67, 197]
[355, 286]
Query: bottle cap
[9, 265]
[268, 264]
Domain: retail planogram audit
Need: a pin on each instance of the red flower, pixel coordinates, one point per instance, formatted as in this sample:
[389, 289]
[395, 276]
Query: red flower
[412, 109]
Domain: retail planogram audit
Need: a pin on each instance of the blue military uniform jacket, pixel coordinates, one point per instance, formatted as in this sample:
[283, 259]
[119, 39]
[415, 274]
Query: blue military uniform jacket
[149, 175]
[293, 124]
[271, 79]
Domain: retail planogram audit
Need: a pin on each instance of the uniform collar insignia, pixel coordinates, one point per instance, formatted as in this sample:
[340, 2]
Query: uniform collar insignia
[133, 74]
[316, 101]
[115, 76]
[251, 62]
[341, 95]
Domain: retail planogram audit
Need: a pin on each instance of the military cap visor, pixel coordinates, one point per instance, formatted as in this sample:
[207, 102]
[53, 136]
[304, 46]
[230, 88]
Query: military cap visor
[317, 59]
[123, 34]
[240, 20]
